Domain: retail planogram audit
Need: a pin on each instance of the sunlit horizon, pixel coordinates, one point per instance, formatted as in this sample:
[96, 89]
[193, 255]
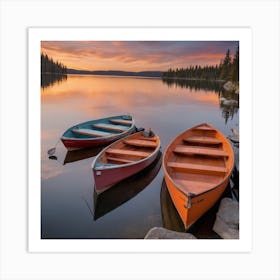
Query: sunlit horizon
[136, 56]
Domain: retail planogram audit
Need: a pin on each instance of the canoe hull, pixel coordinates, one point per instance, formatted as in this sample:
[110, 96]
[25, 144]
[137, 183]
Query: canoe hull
[76, 144]
[126, 189]
[198, 205]
[197, 165]
[105, 178]
[124, 158]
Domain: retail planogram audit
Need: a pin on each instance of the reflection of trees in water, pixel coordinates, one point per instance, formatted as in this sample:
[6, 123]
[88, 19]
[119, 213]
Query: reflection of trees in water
[194, 84]
[229, 102]
[50, 79]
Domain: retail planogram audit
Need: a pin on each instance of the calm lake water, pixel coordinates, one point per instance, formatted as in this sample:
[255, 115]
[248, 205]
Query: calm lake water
[69, 208]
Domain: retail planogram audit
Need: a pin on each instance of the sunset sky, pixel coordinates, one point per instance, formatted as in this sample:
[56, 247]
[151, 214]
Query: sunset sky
[136, 55]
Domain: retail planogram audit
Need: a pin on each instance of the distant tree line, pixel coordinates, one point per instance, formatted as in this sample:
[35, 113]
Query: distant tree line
[48, 66]
[228, 69]
[195, 84]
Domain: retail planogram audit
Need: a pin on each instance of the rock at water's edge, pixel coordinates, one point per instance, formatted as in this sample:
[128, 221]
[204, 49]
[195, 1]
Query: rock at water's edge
[235, 136]
[163, 233]
[227, 219]
[230, 86]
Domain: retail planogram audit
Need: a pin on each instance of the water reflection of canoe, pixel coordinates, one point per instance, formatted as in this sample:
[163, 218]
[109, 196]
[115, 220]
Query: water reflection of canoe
[76, 155]
[124, 158]
[125, 190]
[197, 165]
[170, 217]
[98, 132]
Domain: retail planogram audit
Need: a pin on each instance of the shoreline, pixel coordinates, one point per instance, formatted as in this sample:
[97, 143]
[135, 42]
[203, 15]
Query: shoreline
[192, 79]
[138, 76]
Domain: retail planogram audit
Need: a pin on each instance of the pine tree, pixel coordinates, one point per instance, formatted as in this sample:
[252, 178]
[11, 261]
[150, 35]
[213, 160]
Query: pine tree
[226, 66]
[49, 66]
[235, 67]
[228, 69]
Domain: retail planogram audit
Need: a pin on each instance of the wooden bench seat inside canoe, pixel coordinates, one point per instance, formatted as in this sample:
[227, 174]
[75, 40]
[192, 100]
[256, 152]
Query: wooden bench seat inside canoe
[204, 151]
[193, 186]
[152, 139]
[202, 140]
[204, 128]
[106, 126]
[141, 143]
[119, 160]
[120, 121]
[91, 132]
[198, 168]
[127, 153]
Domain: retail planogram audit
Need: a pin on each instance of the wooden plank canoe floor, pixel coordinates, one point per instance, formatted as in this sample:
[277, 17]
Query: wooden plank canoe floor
[182, 149]
[91, 132]
[198, 168]
[120, 121]
[140, 143]
[119, 128]
[194, 186]
[119, 160]
[202, 140]
[127, 153]
[152, 139]
[204, 128]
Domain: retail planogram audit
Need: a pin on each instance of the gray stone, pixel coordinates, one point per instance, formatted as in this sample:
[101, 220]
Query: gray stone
[230, 86]
[227, 219]
[235, 135]
[163, 233]
[234, 138]
[235, 131]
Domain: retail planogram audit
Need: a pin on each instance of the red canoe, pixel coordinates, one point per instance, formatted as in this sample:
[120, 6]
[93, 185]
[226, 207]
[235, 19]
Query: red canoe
[124, 158]
[98, 132]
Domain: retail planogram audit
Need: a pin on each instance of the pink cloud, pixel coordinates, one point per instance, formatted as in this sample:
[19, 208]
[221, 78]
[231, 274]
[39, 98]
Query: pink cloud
[134, 55]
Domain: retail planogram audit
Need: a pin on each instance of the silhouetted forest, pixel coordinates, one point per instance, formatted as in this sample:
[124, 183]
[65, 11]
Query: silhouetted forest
[51, 72]
[48, 66]
[227, 70]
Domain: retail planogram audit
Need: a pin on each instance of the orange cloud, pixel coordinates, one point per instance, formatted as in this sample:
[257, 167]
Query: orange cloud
[135, 55]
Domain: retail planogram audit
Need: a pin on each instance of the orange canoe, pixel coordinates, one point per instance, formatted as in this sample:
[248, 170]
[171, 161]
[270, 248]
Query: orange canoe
[197, 166]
